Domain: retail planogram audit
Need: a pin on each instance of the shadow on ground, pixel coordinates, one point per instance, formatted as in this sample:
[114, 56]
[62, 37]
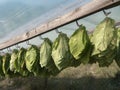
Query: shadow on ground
[84, 77]
[83, 83]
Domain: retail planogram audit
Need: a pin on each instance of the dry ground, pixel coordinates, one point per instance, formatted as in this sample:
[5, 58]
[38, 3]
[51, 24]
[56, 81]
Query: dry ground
[83, 77]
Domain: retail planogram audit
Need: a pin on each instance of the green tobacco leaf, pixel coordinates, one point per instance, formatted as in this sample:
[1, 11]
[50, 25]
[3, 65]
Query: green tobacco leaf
[46, 60]
[6, 64]
[103, 35]
[20, 63]
[107, 58]
[80, 46]
[1, 71]
[117, 57]
[45, 52]
[85, 56]
[60, 51]
[32, 60]
[13, 59]
[78, 42]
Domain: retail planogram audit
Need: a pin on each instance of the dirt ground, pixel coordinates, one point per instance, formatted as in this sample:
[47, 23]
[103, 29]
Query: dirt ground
[83, 77]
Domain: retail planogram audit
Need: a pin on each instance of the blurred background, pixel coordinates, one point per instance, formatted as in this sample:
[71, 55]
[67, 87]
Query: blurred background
[20, 16]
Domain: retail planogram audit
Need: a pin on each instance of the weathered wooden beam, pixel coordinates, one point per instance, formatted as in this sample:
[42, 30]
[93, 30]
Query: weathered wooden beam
[78, 13]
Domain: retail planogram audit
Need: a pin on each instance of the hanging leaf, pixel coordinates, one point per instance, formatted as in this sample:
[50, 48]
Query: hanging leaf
[13, 59]
[60, 51]
[1, 71]
[103, 35]
[104, 41]
[20, 63]
[46, 58]
[32, 60]
[6, 64]
[85, 56]
[80, 45]
[107, 58]
[117, 57]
